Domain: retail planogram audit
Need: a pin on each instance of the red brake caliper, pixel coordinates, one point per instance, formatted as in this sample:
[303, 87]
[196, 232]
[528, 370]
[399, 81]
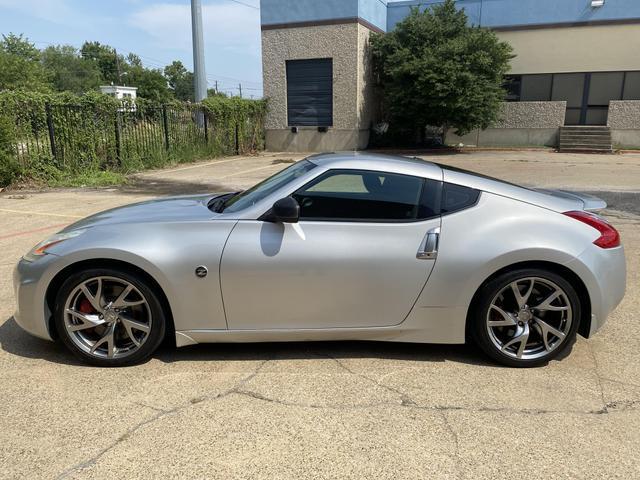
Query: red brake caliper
[85, 306]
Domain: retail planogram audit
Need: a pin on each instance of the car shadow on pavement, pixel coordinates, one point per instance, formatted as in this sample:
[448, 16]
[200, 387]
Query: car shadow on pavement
[335, 350]
[15, 341]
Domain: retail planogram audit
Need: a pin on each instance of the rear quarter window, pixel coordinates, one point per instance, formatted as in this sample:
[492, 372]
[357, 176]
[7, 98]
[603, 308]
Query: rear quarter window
[457, 197]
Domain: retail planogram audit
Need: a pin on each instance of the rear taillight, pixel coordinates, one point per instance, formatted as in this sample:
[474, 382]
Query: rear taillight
[609, 236]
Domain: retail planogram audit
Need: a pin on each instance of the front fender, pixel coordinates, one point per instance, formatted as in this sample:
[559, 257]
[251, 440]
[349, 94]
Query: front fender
[168, 252]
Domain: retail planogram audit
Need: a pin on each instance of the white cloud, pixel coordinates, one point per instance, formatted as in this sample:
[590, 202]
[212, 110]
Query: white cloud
[226, 25]
[55, 11]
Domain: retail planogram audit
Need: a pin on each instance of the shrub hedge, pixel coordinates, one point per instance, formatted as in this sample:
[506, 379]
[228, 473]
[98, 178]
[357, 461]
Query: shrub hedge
[53, 137]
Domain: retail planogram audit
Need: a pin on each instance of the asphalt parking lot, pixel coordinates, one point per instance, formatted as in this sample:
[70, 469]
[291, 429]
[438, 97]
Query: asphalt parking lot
[322, 410]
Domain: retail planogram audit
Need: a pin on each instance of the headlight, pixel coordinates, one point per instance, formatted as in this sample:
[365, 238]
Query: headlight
[41, 249]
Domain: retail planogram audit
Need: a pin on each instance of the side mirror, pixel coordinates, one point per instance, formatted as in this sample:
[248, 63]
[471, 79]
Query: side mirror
[286, 210]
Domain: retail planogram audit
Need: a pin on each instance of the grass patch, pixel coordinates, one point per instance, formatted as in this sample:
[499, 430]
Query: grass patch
[88, 179]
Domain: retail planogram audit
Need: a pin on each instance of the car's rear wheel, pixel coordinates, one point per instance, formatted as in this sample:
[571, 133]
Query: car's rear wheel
[525, 318]
[108, 317]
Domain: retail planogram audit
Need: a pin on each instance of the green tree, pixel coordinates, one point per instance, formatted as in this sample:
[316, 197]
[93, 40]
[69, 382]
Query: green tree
[134, 60]
[20, 66]
[180, 80]
[106, 58]
[69, 71]
[436, 70]
[212, 92]
[151, 84]
[20, 46]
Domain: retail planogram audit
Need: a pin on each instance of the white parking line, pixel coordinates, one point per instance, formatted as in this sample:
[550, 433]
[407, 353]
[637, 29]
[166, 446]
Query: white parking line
[190, 167]
[44, 214]
[247, 171]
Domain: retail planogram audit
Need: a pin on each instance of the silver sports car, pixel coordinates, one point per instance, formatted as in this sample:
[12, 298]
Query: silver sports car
[334, 247]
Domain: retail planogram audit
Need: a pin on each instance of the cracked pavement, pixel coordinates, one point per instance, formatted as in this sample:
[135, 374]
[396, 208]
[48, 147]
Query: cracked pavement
[322, 410]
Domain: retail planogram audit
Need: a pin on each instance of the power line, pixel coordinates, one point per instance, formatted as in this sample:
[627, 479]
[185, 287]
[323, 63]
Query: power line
[245, 4]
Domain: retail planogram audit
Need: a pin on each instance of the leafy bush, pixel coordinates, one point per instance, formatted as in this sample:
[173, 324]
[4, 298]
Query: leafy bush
[10, 169]
[436, 70]
[94, 134]
[248, 115]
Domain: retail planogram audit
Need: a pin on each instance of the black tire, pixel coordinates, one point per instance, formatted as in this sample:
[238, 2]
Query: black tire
[153, 338]
[478, 317]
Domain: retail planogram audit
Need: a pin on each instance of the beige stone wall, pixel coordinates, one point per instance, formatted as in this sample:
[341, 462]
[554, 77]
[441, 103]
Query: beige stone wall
[521, 124]
[339, 42]
[624, 115]
[353, 90]
[532, 115]
[575, 49]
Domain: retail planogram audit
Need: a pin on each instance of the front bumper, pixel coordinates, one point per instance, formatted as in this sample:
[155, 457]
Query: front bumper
[30, 281]
[604, 273]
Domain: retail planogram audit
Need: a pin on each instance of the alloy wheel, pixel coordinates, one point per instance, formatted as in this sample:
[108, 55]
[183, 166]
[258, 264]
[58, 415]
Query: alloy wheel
[107, 317]
[529, 318]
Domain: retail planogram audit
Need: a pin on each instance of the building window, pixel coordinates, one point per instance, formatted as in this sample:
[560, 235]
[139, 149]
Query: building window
[310, 92]
[587, 94]
[631, 86]
[512, 84]
[536, 88]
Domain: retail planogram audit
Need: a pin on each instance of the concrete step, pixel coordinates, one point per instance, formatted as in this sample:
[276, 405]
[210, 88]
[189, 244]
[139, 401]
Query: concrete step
[586, 127]
[586, 132]
[585, 138]
[585, 148]
[588, 146]
[575, 133]
[581, 134]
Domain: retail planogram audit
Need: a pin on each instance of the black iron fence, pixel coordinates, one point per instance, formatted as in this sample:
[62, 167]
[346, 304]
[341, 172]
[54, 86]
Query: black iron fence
[134, 136]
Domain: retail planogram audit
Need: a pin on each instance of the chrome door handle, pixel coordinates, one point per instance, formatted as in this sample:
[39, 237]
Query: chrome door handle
[429, 246]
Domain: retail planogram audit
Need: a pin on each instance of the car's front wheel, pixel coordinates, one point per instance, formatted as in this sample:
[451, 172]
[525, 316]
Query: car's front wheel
[525, 318]
[109, 317]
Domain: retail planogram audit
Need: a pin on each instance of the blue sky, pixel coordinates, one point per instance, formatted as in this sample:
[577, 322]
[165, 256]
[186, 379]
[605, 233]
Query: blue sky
[157, 30]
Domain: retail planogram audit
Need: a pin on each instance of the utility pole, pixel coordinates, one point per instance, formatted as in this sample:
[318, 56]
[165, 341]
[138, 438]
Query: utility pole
[200, 79]
[115, 52]
[240, 85]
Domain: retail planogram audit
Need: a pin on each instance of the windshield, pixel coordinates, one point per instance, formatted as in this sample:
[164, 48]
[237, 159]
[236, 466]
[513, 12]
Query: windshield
[265, 188]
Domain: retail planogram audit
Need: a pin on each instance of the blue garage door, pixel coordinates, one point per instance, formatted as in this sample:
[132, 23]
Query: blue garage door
[310, 92]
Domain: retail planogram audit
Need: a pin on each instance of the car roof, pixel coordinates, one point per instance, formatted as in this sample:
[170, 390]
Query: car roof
[379, 162]
[421, 168]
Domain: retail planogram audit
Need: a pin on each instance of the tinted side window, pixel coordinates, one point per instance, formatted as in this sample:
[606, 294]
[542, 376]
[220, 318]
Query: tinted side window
[363, 195]
[457, 197]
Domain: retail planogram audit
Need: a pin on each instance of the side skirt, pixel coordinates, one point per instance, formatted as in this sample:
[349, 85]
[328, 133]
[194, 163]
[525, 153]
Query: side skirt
[447, 329]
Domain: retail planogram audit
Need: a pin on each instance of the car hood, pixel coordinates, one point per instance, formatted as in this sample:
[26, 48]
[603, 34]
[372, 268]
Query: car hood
[169, 209]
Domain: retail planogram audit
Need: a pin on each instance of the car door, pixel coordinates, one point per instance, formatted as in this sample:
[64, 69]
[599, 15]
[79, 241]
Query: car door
[355, 259]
